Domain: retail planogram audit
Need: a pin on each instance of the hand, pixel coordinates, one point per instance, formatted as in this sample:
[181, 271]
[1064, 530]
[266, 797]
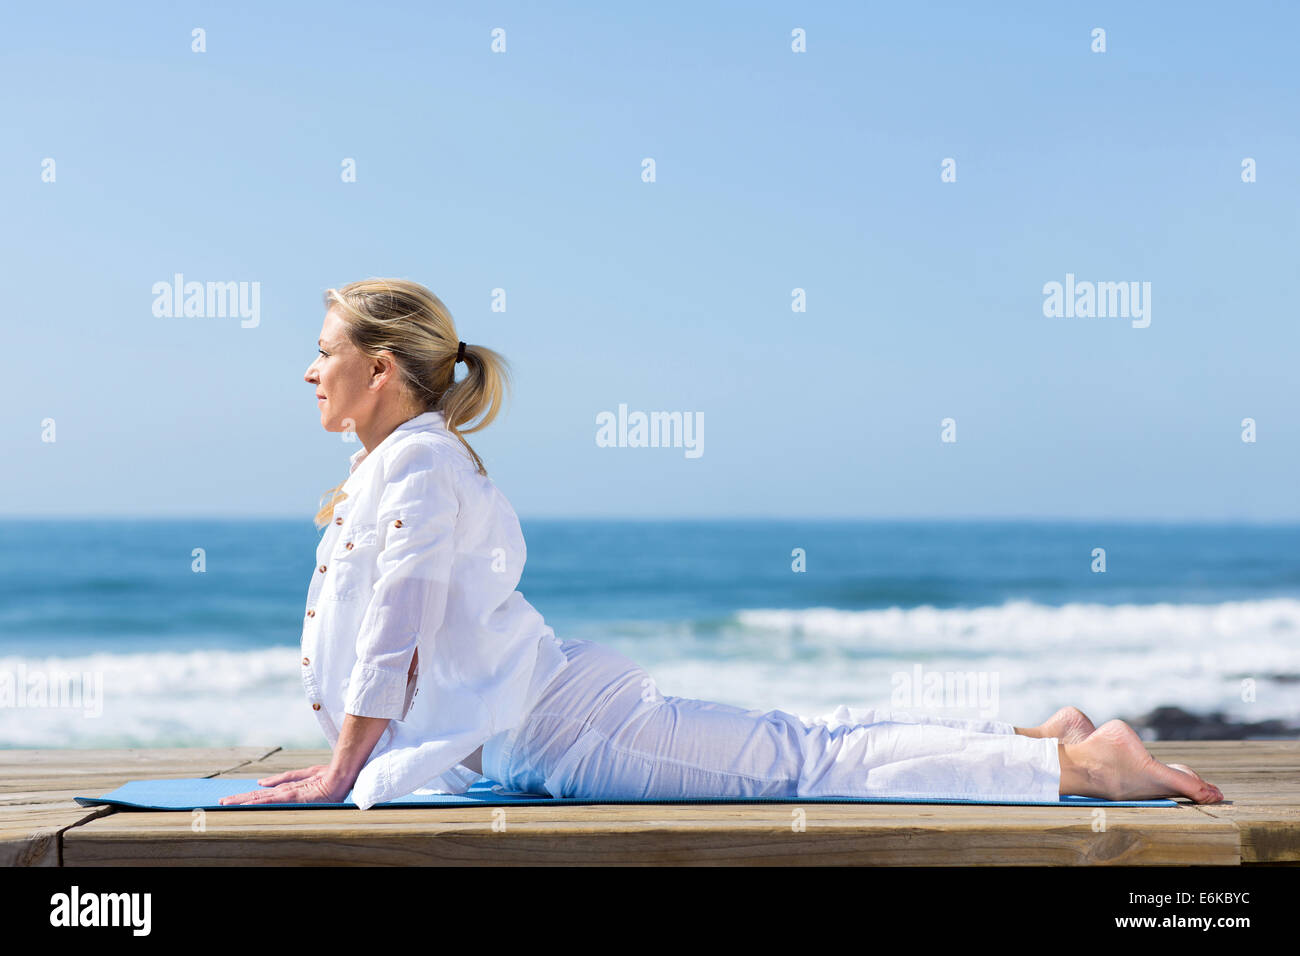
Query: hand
[319, 784]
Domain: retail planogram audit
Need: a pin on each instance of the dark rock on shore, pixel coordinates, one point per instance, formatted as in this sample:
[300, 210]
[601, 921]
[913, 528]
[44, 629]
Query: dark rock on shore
[1174, 723]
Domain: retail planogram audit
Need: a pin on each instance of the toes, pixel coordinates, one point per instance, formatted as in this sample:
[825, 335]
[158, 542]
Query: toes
[1215, 794]
[1187, 783]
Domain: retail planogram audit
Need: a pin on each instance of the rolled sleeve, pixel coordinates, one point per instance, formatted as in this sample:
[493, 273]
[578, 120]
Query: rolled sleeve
[417, 522]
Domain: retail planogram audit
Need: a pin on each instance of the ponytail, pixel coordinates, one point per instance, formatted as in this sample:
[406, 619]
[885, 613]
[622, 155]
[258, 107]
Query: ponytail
[479, 395]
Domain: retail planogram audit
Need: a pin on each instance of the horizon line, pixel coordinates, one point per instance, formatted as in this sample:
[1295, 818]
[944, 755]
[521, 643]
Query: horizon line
[910, 519]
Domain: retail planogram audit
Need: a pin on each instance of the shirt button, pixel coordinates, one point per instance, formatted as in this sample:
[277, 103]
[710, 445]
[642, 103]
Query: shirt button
[338, 520]
[315, 706]
[321, 569]
[349, 545]
[397, 523]
[305, 662]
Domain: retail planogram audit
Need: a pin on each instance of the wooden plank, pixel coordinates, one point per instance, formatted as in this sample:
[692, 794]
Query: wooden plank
[1261, 824]
[29, 833]
[93, 772]
[686, 834]
[1268, 834]
[1265, 807]
[278, 762]
[1260, 781]
[37, 787]
[1278, 756]
[705, 834]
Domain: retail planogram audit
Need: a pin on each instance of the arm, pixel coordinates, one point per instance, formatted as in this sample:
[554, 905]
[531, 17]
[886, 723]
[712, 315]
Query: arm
[356, 742]
[325, 784]
[417, 516]
[357, 739]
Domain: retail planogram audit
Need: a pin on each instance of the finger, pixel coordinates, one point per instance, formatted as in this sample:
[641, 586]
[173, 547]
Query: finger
[278, 795]
[240, 798]
[286, 777]
[311, 790]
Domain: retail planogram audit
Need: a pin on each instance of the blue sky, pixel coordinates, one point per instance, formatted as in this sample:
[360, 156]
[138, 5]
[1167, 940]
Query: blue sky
[775, 170]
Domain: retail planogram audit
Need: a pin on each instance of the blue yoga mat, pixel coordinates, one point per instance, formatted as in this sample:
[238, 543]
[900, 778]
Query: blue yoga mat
[190, 793]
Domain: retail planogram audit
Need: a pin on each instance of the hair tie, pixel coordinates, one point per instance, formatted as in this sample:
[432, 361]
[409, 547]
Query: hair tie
[460, 353]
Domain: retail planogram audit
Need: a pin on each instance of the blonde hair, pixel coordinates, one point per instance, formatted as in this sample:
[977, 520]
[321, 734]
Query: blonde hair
[405, 318]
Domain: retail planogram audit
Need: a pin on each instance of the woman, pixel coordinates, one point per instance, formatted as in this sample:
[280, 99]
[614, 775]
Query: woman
[426, 668]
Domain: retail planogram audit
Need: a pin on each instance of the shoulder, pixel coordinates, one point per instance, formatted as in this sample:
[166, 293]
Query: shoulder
[434, 451]
[423, 466]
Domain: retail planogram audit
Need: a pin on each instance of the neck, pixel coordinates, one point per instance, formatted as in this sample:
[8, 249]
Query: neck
[382, 424]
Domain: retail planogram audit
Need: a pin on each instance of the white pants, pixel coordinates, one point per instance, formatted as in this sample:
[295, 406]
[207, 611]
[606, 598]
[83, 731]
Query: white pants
[600, 730]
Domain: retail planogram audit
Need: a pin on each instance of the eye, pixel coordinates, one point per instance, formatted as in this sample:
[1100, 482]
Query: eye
[322, 352]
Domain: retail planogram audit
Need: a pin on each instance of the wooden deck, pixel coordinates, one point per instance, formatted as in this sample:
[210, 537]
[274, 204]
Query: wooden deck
[40, 825]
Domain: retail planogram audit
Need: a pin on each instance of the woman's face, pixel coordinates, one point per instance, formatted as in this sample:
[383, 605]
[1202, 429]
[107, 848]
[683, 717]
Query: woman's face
[344, 377]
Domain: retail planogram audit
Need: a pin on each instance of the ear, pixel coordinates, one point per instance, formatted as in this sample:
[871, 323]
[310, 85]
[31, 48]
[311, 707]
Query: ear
[382, 368]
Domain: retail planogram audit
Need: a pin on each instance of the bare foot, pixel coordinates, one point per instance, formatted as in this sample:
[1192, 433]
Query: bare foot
[1070, 725]
[1113, 764]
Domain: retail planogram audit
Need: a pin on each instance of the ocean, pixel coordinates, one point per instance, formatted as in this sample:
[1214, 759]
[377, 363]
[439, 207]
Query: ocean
[109, 637]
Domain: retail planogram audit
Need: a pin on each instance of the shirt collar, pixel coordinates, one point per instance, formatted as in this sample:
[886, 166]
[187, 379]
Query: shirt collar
[426, 421]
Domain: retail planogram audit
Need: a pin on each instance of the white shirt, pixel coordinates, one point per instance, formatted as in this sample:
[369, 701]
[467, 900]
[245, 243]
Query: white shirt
[424, 552]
